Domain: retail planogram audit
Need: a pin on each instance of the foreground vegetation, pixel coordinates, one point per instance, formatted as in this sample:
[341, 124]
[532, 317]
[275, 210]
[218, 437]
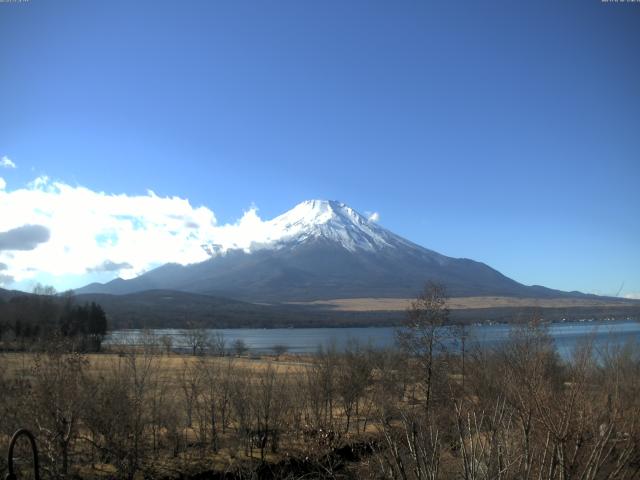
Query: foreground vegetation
[421, 411]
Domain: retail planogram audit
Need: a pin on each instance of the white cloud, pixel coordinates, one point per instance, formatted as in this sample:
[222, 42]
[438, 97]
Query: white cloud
[3, 184]
[374, 216]
[128, 234]
[6, 162]
[633, 296]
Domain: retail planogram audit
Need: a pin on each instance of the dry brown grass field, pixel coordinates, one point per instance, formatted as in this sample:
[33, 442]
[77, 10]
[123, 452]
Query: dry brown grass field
[463, 303]
[416, 413]
[170, 364]
[186, 385]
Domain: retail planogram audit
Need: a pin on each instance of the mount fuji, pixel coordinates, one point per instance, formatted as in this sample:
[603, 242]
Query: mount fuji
[325, 250]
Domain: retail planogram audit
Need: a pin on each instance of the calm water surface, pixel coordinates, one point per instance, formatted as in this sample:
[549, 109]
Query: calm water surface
[307, 340]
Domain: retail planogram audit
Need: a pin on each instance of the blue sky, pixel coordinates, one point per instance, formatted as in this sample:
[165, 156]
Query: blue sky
[507, 132]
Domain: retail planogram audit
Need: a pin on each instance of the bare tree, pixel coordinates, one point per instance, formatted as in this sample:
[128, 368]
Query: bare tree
[196, 339]
[352, 379]
[191, 376]
[240, 392]
[412, 450]
[322, 378]
[218, 344]
[149, 341]
[210, 400]
[162, 409]
[270, 407]
[423, 336]
[167, 343]
[118, 414]
[279, 349]
[57, 404]
[240, 347]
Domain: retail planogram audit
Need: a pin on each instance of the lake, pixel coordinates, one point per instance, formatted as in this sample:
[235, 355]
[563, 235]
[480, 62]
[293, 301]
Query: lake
[307, 340]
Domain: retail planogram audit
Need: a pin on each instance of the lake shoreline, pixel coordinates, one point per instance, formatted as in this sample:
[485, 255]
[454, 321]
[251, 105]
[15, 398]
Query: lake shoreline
[567, 335]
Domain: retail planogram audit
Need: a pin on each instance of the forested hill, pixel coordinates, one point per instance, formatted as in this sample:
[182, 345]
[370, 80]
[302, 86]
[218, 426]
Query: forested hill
[174, 309]
[29, 318]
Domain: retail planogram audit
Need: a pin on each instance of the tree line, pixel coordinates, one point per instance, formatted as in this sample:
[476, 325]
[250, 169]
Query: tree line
[33, 320]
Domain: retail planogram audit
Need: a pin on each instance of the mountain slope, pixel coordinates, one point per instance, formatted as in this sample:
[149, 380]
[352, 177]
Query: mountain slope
[322, 250]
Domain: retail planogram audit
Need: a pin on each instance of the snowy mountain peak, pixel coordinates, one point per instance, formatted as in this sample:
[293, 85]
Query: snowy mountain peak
[318, 212]
[329, 220]
[324, 220]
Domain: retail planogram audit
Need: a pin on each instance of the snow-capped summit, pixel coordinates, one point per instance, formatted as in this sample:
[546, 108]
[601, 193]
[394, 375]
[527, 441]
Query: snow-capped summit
[328, 220]
[312, 220]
